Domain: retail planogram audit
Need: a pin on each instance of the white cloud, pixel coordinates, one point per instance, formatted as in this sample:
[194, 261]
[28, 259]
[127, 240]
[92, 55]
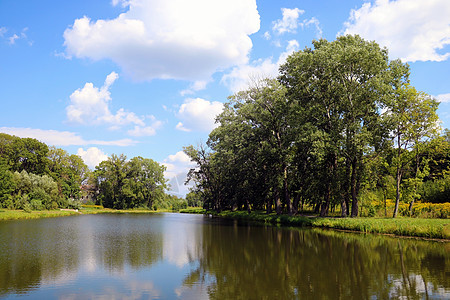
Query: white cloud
[267, 35]
[194, 87]
[12, 39]
[313, 22]
[198, 114]
[413, 30]
[177, 167]
[443, 98]
[146, 130]
[90, 105]
[241, 76]
[92, 156]
[62, 138]
[169, 38]
[289, 23]
[180, 126]
[123, 3]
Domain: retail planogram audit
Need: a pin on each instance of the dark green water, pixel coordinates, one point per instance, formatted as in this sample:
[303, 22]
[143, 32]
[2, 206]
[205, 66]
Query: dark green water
[170, 256]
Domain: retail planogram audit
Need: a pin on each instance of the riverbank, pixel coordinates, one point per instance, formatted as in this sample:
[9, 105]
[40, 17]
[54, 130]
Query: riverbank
[6, 214]
[402, 226]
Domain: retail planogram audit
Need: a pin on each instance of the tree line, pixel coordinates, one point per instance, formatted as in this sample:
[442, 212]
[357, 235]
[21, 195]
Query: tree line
[34, 176]
[340, 123]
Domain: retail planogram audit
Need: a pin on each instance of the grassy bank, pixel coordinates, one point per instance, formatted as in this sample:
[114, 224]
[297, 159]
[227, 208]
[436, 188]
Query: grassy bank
[120, 211]
[415, 227]
[20, 214]
[6, 214]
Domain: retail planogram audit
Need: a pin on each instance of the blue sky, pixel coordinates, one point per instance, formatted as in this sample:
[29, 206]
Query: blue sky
[148, 77]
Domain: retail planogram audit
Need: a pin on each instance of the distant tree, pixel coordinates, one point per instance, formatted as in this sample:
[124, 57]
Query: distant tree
[126, 184]
[69, 171]
[7, 184]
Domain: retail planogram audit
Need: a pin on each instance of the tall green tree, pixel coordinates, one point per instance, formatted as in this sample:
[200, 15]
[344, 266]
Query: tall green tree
[69, 171]
[339, 83]
[413, 120]
[24, 154]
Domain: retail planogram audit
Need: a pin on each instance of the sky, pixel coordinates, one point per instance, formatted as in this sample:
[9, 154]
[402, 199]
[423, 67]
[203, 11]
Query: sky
[147, 77]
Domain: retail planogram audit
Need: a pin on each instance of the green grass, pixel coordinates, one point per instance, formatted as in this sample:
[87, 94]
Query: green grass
[6, 214]
[20, 214]
[403, 226]
[193, 210]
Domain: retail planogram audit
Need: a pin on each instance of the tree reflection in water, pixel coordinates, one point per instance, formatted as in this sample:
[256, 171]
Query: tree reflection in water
[184, 256]
[257, 262]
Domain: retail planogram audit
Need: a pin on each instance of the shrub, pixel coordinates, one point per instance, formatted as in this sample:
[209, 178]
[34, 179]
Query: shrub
[36, 204]
[27, 207]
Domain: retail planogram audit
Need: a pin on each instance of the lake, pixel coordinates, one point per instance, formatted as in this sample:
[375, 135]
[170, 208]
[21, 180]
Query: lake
[182, 256]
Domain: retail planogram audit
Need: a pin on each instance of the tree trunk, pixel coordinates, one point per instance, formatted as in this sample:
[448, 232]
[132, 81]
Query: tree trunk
[345, 204]
[287, 198]
[353, 187]
[344, 210]
[411, 207]
[295, 204]
[326, 202]
[269, 206]
[397, 197]
[277, 202]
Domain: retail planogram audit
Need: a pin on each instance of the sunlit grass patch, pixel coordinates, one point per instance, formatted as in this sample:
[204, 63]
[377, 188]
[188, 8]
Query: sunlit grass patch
[20, 214]
[402, 226]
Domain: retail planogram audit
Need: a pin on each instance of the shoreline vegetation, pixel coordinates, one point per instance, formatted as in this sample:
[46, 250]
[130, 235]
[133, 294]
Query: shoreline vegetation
[400, 226]
[8, 215]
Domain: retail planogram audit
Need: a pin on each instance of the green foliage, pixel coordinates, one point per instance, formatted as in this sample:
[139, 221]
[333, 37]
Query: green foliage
[36, 204]
[194, 199]
[24, 154]
[340, 127]
[74, 203]
[29, 171]
[6, 182]
[437, 191]
[170, 202]
[27, 207]
[428, 228]
[69, 172]
[124, 184]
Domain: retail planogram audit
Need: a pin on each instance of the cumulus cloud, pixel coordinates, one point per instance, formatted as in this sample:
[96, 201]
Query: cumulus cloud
[289, 22]
[443, 98]
[412, 30]
[62, 138]
[90, 105]
[175, 39]
[241, 76]
[92, 156]
[198, 114]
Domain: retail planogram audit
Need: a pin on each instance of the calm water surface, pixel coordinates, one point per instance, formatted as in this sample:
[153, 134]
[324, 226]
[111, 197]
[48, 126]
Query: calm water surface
[171, 256]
